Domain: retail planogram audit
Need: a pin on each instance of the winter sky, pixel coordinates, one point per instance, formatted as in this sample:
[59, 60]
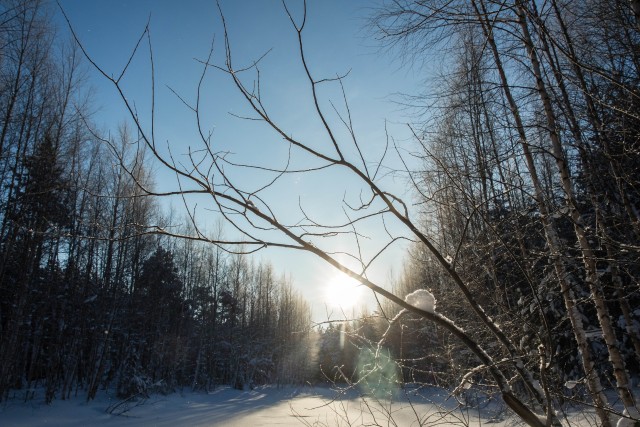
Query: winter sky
[336, 42]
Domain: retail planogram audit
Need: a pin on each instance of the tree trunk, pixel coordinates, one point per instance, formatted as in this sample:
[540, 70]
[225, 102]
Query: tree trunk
[593, 382]
[588, 257]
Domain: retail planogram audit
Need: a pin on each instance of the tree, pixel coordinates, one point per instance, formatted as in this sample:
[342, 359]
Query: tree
[534, 62]
[39, 125]
[89, 297]
[246, 208]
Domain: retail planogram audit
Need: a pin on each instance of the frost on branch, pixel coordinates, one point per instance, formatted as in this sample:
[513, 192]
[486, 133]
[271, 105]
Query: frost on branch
[422, 299]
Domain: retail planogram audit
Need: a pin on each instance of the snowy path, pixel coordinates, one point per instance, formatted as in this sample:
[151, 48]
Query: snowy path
[228, 407]
[264, 407]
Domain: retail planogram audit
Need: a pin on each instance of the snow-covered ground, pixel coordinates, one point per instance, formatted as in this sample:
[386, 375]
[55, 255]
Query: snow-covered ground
[260, 407]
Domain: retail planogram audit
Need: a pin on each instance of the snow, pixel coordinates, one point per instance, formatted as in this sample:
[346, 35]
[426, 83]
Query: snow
[571, 384]
[264, 406]
[628, 422]
[285, 407]
[422, 299]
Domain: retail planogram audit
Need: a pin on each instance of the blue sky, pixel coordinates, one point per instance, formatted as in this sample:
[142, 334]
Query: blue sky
[336, 42]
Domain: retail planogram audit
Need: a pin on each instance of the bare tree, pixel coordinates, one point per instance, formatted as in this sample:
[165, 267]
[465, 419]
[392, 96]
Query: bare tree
[247, 209]
[540, 73]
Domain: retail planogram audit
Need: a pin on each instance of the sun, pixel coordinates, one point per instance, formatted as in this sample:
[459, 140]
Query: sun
[343, 292]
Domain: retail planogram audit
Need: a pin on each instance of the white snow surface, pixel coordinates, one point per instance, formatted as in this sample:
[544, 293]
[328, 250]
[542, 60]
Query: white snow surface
[422, 299]
[264, 406]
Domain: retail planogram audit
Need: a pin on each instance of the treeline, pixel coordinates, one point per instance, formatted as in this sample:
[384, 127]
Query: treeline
[89, 299]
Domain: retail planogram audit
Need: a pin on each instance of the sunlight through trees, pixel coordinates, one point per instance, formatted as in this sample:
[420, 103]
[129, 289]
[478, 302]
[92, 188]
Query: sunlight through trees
[521, 214]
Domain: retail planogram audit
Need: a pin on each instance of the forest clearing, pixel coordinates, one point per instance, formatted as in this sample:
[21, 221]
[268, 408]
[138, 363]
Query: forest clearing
[434, 205]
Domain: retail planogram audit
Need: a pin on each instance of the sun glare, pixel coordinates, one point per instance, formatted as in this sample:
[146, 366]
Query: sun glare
[343, 292]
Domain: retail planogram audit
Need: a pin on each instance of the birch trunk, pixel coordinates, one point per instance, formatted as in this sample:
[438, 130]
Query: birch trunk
[576, 131]
[593, 118]
[551, 235]
[588, 256]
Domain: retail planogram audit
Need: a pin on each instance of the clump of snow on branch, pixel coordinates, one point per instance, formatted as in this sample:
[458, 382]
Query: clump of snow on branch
[571, 384]
[629, 422]
[422, 299]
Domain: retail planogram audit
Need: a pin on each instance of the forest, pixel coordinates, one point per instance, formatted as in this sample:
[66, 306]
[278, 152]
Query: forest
[524, 221]
[89, 297]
